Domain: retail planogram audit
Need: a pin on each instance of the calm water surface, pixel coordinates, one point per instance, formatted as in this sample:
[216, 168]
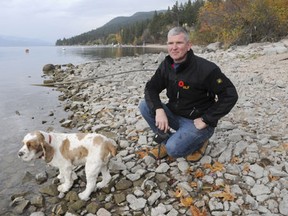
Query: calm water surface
[25, 108]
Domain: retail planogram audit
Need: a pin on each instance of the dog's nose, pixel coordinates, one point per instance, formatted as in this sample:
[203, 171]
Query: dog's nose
[20, 154]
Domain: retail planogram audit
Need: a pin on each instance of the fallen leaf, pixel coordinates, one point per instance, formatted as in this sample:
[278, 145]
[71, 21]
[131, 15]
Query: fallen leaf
[178, 193]
[198, 173]
[246, 167]
[189, 170]
[281, 148]
[134, 138]
[216, 187]
[226, 195]
[273, 178]
[235, 160]
[207, 166]
[208, 187]
[227, 189]
[187, 201]
[217, 166]
[285, 146]
[193, 184]
[196, 211]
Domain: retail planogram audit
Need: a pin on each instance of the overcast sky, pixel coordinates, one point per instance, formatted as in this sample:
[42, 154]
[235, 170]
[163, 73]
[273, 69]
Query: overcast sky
[50, 20]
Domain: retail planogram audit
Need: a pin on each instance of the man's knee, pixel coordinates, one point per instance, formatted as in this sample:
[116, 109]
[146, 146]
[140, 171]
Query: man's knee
[172, 150]
[144, 108]
[142, 105]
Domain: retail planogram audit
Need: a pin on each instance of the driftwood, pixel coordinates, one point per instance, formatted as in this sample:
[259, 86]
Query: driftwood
[55, 84]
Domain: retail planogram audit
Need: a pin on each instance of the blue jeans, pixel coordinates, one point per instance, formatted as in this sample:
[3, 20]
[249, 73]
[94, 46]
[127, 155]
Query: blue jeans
[187, 138]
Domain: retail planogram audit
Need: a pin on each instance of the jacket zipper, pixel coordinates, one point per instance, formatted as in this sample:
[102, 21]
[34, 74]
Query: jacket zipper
[192, 111]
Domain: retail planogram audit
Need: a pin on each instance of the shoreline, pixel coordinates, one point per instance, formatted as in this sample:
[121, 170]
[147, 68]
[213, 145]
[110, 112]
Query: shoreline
[250, 141]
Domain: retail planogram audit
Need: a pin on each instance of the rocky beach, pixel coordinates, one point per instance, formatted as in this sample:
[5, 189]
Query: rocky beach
[244, 170]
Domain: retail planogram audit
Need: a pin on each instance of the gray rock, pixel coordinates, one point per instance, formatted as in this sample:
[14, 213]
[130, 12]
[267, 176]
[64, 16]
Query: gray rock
[133, 176]
[41, 177]
[257, 190]
[240, 147]
[37, 214]
[276, 172]
[27, 177]
[283, 205]
[162, 168]
[48, 67]
[213, 47]
[276, 48]
[50, 190]
[103, 212]
[160, 57]
[142, 140]
[226, 155]
[257, 171]
[123, 184]
[37, 200]
[135, 203]
[253, 204]
[154, 197]
[160, 210]
[20, 205]
[215, 205]
[183, 166]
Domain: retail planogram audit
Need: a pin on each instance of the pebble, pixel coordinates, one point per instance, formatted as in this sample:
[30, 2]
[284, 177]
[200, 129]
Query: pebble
[250, 142]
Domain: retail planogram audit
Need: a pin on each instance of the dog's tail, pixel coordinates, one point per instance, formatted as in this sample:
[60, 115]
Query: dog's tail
[110, 148]
[111, 145]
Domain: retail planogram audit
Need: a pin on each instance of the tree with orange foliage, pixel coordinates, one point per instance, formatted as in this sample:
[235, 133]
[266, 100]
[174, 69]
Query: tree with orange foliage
[242, 21]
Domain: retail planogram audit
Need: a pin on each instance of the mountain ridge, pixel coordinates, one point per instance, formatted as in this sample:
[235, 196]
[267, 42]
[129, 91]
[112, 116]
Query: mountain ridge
[138, 16]
[111, 27]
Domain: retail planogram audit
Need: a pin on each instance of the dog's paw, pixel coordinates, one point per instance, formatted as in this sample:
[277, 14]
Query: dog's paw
[61, 195]
[83, 196]
[101, 185]
[62, 188]
[74, 176]
[61, 178]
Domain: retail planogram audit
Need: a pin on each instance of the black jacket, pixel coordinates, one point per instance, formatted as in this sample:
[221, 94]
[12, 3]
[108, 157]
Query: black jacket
[191, 89]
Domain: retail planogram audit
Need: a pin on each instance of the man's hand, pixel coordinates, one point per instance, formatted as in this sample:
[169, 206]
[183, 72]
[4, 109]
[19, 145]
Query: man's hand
[161, 120]
[199, 123]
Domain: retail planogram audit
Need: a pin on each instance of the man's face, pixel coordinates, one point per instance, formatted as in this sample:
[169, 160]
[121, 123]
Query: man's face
[178, 47]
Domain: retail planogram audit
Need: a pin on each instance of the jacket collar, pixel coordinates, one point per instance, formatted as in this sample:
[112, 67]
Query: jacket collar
[190, 55]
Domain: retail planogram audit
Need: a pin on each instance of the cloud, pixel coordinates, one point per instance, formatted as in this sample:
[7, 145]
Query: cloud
[54, 19]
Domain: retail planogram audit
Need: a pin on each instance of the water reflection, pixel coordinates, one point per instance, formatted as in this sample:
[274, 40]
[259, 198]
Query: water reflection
[97, 52]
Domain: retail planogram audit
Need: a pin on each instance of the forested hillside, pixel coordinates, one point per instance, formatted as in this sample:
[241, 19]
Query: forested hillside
[227, 21]
[106, 33]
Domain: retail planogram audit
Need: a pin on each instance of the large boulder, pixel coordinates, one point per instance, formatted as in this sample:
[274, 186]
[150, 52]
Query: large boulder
[213, 47]
[48, 68]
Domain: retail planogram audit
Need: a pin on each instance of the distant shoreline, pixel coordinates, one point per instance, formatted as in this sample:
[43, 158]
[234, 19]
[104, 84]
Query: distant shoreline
[147, 45]
[155, 46]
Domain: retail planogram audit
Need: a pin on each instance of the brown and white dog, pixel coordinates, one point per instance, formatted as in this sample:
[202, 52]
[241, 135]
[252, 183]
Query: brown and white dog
[65, 151]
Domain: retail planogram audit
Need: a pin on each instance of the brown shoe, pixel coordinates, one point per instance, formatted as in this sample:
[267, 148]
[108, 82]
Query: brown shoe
[142, 153]
[159, 152]
[197, 155]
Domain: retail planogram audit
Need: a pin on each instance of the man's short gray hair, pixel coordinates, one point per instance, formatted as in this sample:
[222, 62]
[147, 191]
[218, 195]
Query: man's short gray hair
[178, 30]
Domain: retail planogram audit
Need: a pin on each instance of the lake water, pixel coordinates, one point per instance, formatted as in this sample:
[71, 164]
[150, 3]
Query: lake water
[25, 108]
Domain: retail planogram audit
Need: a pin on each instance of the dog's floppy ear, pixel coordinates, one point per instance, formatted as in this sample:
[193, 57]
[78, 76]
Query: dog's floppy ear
[48, 151]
